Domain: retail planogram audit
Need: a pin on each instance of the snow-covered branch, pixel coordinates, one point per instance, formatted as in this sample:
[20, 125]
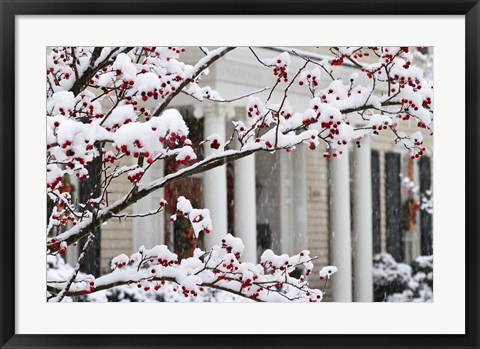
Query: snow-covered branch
[193, 73]
[221, 269]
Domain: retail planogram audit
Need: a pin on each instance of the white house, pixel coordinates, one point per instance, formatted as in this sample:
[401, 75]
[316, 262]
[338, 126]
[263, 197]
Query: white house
[341, 209]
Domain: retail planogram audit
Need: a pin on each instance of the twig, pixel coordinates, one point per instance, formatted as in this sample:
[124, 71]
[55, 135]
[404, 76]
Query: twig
[82, 256]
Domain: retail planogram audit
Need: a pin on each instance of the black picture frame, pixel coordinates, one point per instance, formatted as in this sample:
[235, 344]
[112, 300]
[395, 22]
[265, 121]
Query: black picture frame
[9, 9]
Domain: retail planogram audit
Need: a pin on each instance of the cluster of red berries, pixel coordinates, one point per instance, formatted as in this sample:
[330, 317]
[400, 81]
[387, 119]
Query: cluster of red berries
[120, 264]
[54, 246]
[414, 83]
[53, 242]
[159, 286]
[427, 101]
[326, 155]
[388, 57]
[61, 55]
[332, 127]
[312, 145]
[315, 297]
[81, 176]
[171, 139]
[171, 48]
[64, 221]
[377, 128]
[135, 177]
[247, 283]
[369, 74]
[90, 111]
[421, 124]
[269, 265]
[252, 110]
[66, 144]
[229, 248]
[283, 113]
[136, 154]
[109, 158]
[360, 55]
[230, 266]
[187, 292]
[90, 289]
[337, 61]
[126, 84]
[256, 294]
[149, 94]
[55, 182]
[185, 160]
[416, 154]
[409, 104]
[404, 117]
[215, 144]
[311, 79]
[311, 120]
[177, 50]
[280, 70]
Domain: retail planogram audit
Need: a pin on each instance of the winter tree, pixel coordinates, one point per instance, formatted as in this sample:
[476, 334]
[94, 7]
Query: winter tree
[105, 104]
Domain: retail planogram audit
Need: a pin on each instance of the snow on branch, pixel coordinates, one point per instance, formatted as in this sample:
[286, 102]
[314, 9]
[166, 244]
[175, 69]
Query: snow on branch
[221, 268]
[194, 72]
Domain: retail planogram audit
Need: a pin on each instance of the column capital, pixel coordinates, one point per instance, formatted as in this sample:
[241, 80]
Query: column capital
[210, 109]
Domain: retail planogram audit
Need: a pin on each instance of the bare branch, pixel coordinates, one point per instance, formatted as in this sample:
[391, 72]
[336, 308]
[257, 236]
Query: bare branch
[64, 291]
[228, 100]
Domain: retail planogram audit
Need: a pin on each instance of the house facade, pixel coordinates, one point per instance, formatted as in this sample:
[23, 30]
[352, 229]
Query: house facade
[342, 210]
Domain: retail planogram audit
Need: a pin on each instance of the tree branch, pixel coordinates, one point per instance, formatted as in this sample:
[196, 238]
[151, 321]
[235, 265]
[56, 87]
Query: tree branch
[203, 64]
[64, 291]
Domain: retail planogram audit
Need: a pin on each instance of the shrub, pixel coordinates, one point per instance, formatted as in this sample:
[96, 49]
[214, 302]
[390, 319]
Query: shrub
[400, 282]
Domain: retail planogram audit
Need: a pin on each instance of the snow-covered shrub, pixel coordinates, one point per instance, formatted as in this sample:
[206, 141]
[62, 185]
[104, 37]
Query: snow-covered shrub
[400, 282]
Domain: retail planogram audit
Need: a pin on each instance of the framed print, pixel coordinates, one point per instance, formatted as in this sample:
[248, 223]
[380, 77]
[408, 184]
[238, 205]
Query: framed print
[303, 177]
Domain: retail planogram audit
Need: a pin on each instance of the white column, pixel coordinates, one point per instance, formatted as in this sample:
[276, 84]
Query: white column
[340, 236]
[215, 180]
[149, 231]
[246, 207]
[284, 184]
[299, 200]
[362, 223]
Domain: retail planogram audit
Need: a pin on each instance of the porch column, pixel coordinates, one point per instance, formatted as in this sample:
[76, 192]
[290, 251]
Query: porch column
[340, 235]
[149, 231]
[299, 200]
[362, 223]
[246, 207]
[215, 180]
